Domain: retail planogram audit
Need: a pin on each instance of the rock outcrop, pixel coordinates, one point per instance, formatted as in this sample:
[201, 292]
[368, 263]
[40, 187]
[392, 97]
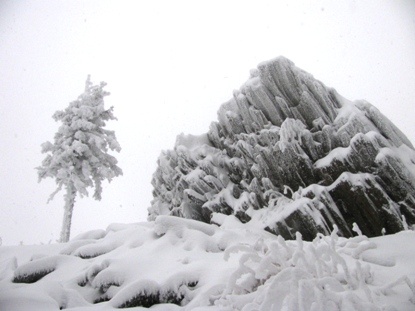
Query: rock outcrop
[290, 154]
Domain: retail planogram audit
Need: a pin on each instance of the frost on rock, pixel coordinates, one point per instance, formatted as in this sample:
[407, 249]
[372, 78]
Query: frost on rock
[290, 149]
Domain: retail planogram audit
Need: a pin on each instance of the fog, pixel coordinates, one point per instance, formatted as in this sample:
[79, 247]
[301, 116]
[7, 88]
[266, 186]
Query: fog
[169, 65]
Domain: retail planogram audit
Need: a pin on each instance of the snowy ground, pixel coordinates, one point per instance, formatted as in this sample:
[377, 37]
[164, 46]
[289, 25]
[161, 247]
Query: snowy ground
[175, 264]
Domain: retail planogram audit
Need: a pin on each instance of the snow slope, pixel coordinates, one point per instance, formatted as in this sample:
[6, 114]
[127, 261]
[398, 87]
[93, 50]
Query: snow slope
[182, 264]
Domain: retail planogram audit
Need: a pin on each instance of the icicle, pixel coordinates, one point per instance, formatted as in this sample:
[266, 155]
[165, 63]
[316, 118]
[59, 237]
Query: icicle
[356, 229]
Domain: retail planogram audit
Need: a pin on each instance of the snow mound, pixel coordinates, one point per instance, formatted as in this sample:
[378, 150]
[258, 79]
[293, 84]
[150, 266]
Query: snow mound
[180, 264]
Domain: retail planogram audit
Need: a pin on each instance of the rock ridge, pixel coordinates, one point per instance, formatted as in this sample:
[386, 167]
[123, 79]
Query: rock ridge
[290, 154]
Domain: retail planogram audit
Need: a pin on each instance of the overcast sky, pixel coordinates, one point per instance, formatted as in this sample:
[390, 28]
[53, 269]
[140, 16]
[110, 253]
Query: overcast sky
[169, 65]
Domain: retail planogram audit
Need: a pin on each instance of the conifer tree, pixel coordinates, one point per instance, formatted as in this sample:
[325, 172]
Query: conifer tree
[78, 158]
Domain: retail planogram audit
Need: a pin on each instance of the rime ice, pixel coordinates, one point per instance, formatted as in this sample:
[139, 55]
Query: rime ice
[78, 158]
[291, 154]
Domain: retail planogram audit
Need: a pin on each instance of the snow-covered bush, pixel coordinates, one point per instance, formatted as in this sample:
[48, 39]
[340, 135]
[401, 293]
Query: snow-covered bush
[300, 276]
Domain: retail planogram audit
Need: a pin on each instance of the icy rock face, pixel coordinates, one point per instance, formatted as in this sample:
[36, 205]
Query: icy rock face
[290, 154]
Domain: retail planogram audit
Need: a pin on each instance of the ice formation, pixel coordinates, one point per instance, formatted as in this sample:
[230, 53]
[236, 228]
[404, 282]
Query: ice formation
[292, 155]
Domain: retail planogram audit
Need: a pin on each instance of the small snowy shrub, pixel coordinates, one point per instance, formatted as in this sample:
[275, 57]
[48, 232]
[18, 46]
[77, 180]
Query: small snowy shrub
[33, 271]
[146, 293]
[299, 276]
[139, 294]
[142, 299]
[93, 250]
[31, 277]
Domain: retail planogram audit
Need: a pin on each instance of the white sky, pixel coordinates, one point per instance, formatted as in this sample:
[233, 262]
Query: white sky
[169, 65]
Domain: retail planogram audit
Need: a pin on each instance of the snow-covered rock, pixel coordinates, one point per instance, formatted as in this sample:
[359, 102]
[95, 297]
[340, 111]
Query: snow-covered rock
[292, 154]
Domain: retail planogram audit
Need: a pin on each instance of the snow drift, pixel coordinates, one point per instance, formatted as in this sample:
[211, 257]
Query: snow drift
[182, 264]
[291, 155]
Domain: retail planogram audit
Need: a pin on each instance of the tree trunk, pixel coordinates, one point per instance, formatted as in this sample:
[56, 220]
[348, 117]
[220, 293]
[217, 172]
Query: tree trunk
[67, 215]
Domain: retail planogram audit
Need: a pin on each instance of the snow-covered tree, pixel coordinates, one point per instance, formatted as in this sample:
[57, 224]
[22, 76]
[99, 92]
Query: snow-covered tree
[78, 158]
